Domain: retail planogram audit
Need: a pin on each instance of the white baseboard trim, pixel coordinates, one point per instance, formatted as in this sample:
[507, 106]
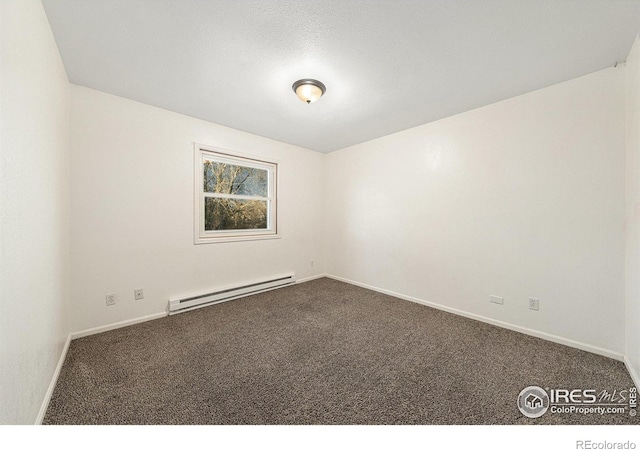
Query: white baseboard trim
[118, 325]
[54, 381]
[311, 278]
[125, 323]
[524, 330]
[632, 372]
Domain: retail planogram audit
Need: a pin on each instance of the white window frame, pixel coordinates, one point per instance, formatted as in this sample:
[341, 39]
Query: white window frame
[202, 152]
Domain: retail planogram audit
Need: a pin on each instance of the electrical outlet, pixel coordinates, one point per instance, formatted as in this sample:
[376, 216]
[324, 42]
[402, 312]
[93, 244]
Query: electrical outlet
[138, 294]
[111, 299]
[534, 304]
[312, 264]
[496, 299]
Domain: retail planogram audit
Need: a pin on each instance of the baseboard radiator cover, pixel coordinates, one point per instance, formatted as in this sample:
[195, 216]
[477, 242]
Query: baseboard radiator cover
[184, 304]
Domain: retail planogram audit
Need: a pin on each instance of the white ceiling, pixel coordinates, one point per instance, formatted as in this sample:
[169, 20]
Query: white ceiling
[388, 64]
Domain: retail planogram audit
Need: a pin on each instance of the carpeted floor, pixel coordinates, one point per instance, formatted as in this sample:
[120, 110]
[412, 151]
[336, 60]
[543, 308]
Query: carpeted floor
[321, 352]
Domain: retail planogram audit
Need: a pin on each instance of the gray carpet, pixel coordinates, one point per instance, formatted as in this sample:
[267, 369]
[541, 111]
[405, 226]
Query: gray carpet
[322, 352]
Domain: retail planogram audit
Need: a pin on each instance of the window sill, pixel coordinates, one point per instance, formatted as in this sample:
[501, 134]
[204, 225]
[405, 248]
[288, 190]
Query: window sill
[234, 238]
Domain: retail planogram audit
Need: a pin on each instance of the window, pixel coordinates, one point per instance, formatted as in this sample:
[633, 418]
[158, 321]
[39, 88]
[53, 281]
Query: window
[235, 197]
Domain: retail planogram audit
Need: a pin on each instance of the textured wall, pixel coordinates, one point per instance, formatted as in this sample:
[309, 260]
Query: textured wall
[132, 210]
[632, 233]
[520, 198]
[34, 211]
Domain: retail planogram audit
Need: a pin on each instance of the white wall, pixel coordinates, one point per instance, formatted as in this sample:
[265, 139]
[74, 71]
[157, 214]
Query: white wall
[132, 210]
[34, 248]
[520, 198]
[632, 266]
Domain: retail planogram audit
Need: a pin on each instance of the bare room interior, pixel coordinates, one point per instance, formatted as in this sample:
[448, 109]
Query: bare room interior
[319, 212]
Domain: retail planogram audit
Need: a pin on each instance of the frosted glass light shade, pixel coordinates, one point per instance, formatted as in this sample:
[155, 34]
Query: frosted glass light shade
[309, 90]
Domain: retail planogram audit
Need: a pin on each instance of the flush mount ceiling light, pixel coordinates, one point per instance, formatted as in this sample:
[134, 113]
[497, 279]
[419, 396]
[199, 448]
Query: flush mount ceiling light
[309, 90]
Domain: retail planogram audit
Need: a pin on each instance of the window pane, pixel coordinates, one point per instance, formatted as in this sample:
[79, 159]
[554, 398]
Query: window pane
[235, 179]
[221, 214]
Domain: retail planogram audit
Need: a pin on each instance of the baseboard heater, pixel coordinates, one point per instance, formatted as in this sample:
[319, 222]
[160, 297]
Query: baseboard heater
[192, 302]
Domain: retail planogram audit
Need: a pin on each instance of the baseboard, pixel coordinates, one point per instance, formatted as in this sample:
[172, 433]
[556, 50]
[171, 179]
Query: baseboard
[632, 372]
[311, 278]
[523, 330]
[54, 381]
[118, 325]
